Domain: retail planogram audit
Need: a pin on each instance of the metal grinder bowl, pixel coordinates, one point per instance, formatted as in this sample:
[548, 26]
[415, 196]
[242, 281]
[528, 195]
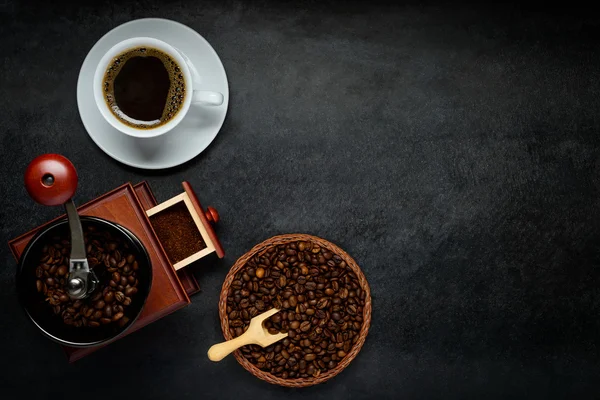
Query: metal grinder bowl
[41, 313]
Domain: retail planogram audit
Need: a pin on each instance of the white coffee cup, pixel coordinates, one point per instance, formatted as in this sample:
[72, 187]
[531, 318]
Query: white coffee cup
[193, 93]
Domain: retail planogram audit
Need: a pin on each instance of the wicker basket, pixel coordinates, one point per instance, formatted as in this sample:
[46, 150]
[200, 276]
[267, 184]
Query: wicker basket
[261, 248]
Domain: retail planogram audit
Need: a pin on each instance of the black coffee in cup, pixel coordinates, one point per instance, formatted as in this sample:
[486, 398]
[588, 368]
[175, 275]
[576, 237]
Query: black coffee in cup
[144, 87]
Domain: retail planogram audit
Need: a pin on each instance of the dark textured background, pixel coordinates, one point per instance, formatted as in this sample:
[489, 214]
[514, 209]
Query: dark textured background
[451, 149]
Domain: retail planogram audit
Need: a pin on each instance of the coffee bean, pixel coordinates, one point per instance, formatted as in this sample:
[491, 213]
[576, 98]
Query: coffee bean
[323, 303]
[39, 285]
[105, 321]
[347, 346]
[130, 291]
[119, 296]
[301, 308]
[260, 273]
[109, 297]
[244, 303]
[343, 294]
[108, 311]
[282, 281]
[235, 323]
[260, 305]
[117, 316]
[99, 304]
[299, 288]
[293, 301]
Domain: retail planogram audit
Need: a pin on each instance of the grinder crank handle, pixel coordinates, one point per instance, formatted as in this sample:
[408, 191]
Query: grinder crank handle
[51, 180]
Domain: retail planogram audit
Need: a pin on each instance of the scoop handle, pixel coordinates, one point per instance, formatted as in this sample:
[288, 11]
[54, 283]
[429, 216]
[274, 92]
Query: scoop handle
[219, 351]
[51, 179]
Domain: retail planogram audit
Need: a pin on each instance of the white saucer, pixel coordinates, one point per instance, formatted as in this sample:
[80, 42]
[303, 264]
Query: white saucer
[192, 135]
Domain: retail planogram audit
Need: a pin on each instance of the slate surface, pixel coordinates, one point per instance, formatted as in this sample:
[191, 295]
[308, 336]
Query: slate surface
[451, 149]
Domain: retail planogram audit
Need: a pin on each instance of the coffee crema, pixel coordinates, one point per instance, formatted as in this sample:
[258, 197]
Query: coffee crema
[144, 87]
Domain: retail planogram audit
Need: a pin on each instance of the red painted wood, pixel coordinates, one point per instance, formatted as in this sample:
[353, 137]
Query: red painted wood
[212, 215]
[64, 178]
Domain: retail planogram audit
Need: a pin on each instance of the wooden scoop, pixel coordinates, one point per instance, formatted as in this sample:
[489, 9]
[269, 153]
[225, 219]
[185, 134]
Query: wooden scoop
[256, 334]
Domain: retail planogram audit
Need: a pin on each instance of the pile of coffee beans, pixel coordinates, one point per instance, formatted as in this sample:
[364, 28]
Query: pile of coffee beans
[114, 266]
[321, 305]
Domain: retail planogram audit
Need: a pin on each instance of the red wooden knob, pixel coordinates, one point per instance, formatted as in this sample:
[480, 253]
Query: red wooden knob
[212, 215]
[51, 179]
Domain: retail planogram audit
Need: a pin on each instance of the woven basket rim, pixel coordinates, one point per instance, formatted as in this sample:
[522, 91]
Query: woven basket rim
[261, 248]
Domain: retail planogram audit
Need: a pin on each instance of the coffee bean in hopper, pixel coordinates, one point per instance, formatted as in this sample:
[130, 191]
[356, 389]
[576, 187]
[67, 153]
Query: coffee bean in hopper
[106, 257]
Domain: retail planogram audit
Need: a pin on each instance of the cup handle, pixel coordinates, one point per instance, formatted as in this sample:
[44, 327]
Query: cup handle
[207, 98]
[204, 97]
